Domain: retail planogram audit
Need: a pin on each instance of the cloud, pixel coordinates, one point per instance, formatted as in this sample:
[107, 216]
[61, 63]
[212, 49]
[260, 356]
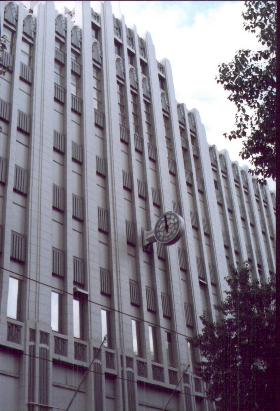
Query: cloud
[196, 40]
[195, 36]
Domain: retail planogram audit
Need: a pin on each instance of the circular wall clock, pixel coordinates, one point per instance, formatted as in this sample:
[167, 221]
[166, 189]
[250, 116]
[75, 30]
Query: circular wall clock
[169, 228]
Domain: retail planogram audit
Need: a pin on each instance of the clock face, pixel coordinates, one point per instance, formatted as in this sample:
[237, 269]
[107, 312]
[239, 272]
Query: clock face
[168, 228]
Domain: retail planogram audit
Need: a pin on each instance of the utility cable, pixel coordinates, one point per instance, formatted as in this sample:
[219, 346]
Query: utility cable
[171, 395]
[85, 374]
[98, 304]
[101, 373]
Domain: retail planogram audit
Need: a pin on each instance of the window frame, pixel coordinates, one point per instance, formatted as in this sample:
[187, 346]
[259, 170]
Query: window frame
[78, 326]
[14, 311]
[106, 327]
[58, 313]
[152, 334]
[136, 338]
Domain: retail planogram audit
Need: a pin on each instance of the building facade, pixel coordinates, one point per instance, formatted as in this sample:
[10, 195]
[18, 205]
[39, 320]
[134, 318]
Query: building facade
[94, 148]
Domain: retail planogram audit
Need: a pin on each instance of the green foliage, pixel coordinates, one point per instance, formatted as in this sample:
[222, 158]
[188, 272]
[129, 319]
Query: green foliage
[239, 350]
[250, 79]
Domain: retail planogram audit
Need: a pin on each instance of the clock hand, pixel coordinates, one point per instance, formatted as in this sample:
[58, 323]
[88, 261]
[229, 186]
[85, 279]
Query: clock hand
[166, 225]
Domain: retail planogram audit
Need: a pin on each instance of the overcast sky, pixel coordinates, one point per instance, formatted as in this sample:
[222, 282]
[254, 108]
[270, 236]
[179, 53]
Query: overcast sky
[195, 36]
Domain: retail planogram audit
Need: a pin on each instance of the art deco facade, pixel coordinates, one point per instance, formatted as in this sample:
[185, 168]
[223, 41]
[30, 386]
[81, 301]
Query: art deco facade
[94, 148]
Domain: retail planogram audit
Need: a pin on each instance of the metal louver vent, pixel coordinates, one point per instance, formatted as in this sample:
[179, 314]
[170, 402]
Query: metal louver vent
[77, 152]
[58, 262]
[141, 189]
[4, 110]
[101, 166]
[130, 233]
[59, 55]
[189, 315]
[172, 166]
[200, 185]
[58, 197]
[127, 181]
[161, 248]
[99, 118]
[156, 198]
[105, 281]
[194, 219]
[75, 67]
[7, 60]
[3, 170]
[20, 180]
[138, 142]
[76, 104]
[1, 237]
[212, 272]
[200, 268]
[134, 293]
[151, 299]
[58, 142]
[205, 224]
[189, 178]
[166, 307]
[18, 247]
[103, 220]
[77, 207]
[59, 93]
[152, 152]
[124, 134]
[23, 122]
[78, 271]
[26, 73]
[182, 259]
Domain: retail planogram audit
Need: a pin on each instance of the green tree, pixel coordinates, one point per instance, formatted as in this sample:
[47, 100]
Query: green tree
[250, 79]
[238, 351]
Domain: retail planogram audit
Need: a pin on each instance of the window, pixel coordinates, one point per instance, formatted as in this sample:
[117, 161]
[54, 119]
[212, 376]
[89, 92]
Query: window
[161, 83]
[13, 304]
[153, 343]
[131, 59]
[135, 113]
[97, 89]
[169, 348]
[26, 53]
[55, 311]
[59, 45]
[121, 102]
[105, 328]
[75, 57]
[118, 49]
[58, 74]
[193, 359]
[10, 37]
[95, 33]
[143, 68]
[75, 86]
[77, 318]
[148, 120]
[136, 337]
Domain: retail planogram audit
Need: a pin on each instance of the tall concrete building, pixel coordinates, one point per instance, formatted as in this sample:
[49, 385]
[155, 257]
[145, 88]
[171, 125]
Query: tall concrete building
[94, 150]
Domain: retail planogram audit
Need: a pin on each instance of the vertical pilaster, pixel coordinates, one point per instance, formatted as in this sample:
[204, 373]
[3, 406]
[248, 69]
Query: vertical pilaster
[271, 255]
[236, 212]
[11, 155]
[214, 220]
[259, 238]
[183, 196]
[117, 218]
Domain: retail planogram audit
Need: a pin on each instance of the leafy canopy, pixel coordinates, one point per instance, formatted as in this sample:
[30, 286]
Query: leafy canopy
[238, 350]
[250, 79]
